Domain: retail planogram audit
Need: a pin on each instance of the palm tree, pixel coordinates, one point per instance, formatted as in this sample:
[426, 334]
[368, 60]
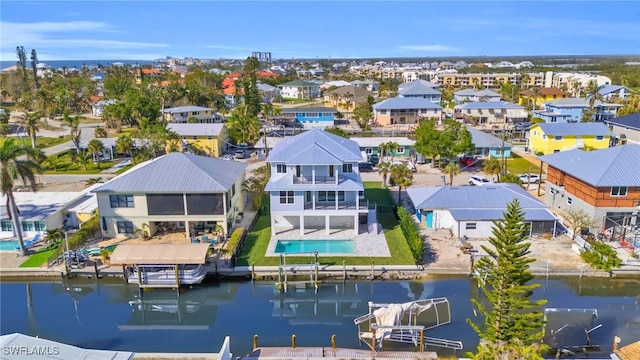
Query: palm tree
[83, 157]
[100, 132]
[452, 169]
[255, 185]
[492, 166]
[95, 147]
[54, 161]
[384, 169]
[401, 176]
[524, 80]
[593, 95]
[74, 129]
[30, 124]
[124, 144]
[17, 162]
[535, 93]
[266, 110]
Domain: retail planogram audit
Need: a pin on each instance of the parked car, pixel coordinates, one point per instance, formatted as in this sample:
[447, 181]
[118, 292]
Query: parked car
[529, 178]
[365, 167]
[293, 124]
[374, 160]
[468, 160]
[479, 181]
[239, 154]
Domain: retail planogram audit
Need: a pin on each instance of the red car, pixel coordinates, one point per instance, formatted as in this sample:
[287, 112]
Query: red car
[468, 161]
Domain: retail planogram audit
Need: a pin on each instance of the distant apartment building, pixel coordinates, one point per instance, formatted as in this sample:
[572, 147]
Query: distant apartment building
[533, 79]
[262, 56]
[577, 81]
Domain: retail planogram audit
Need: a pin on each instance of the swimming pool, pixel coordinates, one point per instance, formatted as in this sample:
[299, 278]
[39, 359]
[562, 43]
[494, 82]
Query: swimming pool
[322, 246]
[8, 245]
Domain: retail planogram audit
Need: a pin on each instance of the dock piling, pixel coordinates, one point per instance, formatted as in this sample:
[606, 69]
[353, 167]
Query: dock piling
[344, 270]
[255, 342]
[293, 341]
[95, 269]
[333, 341]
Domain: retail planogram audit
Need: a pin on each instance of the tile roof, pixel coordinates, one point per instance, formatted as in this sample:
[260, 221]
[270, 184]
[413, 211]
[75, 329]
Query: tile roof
[483, 140]
[616, 166]
[196, 129]
[315, 147]
[489, 105]
[631, 121]
[187, 108]
[399, 103]
[575, 129]
[478, 202]
[177, 173]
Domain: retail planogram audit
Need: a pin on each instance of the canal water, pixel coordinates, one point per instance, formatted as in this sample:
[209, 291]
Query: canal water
[106, 314]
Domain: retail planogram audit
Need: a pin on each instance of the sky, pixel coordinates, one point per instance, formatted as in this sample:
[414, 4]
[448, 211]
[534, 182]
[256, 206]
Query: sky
[147, 30]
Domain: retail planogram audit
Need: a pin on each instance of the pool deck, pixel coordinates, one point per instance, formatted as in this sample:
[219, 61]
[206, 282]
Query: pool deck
[366, 244]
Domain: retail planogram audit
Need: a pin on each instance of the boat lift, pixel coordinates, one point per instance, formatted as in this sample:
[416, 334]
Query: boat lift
[405, 323]
[572, 350]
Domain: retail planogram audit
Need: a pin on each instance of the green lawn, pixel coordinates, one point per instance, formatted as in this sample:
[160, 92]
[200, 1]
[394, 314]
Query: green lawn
[517, 165]
[67, 165]
[38, 259]
[124, 168]
[90, 120]
[257, 241]
[47, 142]
[296, 101]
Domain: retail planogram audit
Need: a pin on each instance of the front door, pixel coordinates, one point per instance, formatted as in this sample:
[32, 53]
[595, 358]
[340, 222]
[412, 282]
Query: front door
[429, 219]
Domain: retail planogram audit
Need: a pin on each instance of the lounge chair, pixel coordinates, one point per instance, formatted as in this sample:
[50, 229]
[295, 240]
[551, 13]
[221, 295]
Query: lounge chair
[31, 242]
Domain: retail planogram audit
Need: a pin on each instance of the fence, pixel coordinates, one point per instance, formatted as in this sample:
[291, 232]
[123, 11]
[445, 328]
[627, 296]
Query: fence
[247, 231]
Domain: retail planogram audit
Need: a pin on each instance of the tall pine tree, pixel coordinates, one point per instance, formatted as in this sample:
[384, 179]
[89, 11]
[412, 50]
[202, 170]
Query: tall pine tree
[511, 317]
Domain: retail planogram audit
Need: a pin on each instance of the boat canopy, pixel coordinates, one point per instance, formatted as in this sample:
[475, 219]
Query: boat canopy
[159, 254]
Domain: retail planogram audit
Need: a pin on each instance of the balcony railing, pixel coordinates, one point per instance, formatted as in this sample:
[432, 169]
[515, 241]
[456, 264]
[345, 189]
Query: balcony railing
[342, 205]
[319, 180]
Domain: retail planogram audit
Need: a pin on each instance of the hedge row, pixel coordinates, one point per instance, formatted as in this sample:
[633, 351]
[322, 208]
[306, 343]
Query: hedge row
[234, 240]
[412, 234]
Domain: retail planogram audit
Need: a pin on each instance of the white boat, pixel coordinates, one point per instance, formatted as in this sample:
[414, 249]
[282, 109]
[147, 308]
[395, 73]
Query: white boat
[165, 275]
[405, 323]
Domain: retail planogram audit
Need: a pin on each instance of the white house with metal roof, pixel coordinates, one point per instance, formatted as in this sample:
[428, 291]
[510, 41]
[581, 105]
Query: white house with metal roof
[490, 113]
[315, 183]
[174, 192]
[470, 210]
[405, 110]
[182, 114]
[472, 95]
[420, 89]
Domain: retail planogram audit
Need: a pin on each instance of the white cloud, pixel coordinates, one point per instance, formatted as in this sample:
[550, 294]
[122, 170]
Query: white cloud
[429, 48]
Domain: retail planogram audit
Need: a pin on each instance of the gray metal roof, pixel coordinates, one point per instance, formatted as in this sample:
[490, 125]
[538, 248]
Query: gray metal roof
[409, 84]
[608, 89]
[616, 166]
[418, 89]
[483, 140]
[55, 350]
[307, 110]
[489, 105]
[478, 202]
[285, 181]
[196, 129]
[480, 93]
[181, 109]
[578, 102]
[315, 147]
[177, 173]
[399, 103]
[631, 121]
[574, 129]
[364, 142]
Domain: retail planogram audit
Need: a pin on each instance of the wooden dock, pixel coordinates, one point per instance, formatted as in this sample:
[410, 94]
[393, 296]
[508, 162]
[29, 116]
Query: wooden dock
[283, 353]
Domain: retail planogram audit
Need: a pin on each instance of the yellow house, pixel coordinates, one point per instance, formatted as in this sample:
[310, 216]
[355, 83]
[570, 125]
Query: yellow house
[211, 138]
[549, 138]
[545, 95]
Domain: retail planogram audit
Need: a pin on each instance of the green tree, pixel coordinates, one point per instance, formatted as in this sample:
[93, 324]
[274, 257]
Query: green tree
[593, 96]
[402, 176]
[601, 256]
[34, 67]
[74, 129]
[511, 314]
[452, 140]
[192, 120]
[84, 158]
[255, 185]
[243, 128]
[53, 161]
[95, 146]
[452, 169]
[492, 166]
[510, 178]
[362, 115]
[100, 132]
[337, 131]
[22, 65]
[17, 162]
[384, 169]
[124, 144]
[31, 125]
[249, 82]
[5, 129]
[388, 148]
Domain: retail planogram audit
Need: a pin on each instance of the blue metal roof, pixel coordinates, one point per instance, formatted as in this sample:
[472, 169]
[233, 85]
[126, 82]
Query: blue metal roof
[418, 89]
[489, 105]
[399, 103]
[295, 110]
[632, 121]
[315, 147]
[574, 129]
[285, 183]
[480, 93]
[608, 89]
[478, 202]
[483, 140]
[616, 166]
[578, 103]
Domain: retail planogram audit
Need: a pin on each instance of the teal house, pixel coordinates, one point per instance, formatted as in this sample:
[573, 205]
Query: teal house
[369, 146]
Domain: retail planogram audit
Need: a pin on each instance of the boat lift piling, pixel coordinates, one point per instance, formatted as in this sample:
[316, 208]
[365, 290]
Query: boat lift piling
[283, 274]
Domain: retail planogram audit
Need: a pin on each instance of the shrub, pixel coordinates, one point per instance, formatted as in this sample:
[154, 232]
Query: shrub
[234, 240]
[601, 256]
[89, 230]
[412, 234]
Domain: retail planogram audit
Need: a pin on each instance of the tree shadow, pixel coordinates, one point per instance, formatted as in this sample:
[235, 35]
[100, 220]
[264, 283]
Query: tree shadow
[429, 256]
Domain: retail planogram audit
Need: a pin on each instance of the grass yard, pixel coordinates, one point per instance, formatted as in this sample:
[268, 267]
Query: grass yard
[257, 241]
[38, 259]
[91, 120]
[124, 168]
[67, 165]
[47, 142]
[518, 165]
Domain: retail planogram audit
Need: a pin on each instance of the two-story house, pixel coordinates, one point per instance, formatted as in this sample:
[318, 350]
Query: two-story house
[544, 95]
[349, 95]
[571, 110]
[210, 138]
[626, 129]
[185, 114]
[471, 95]
[174, 192]
[604, 183]
[405, 110]
[299, 89]
[315, 117]
[610, 92]
[420, 89]
[490, 113]
[552, 138]
[315, 183]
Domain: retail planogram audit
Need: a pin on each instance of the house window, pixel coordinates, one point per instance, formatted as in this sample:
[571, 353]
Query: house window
[121, 201]
[470, 226]
[599, 138]
[535, 133]
[195, 137]
[286, 197]
[281, 168]
[27, 226]
[209, 137]
[558, 138]
[347, 168]
[569, 201]
[5, 225]
[368, 151]
[329, 196]
[40, 226]
[544, 136]
[125, 227]
[340, 195]
[331, 170]
[233, 190]
[361, 195]
[619, 191]
[400, 150]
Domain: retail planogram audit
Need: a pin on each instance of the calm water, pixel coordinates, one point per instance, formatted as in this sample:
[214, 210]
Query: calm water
[322, 246]
[98, 314]
[57, 64]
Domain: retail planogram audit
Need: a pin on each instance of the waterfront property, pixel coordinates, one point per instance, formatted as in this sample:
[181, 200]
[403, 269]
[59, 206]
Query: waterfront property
[405, 110]
[572, 110]
[183, 114]
[175, 192]
[210, 138]
[472, 95]
[603, 183]
[552, 138]
[315, 183]
[488, 145]
[490, 113]
[44, 211]
[470, 210]
[544, 95]
[299, 89]
[314, 117]
[625, 128]
[370, 146]
[420, 89]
